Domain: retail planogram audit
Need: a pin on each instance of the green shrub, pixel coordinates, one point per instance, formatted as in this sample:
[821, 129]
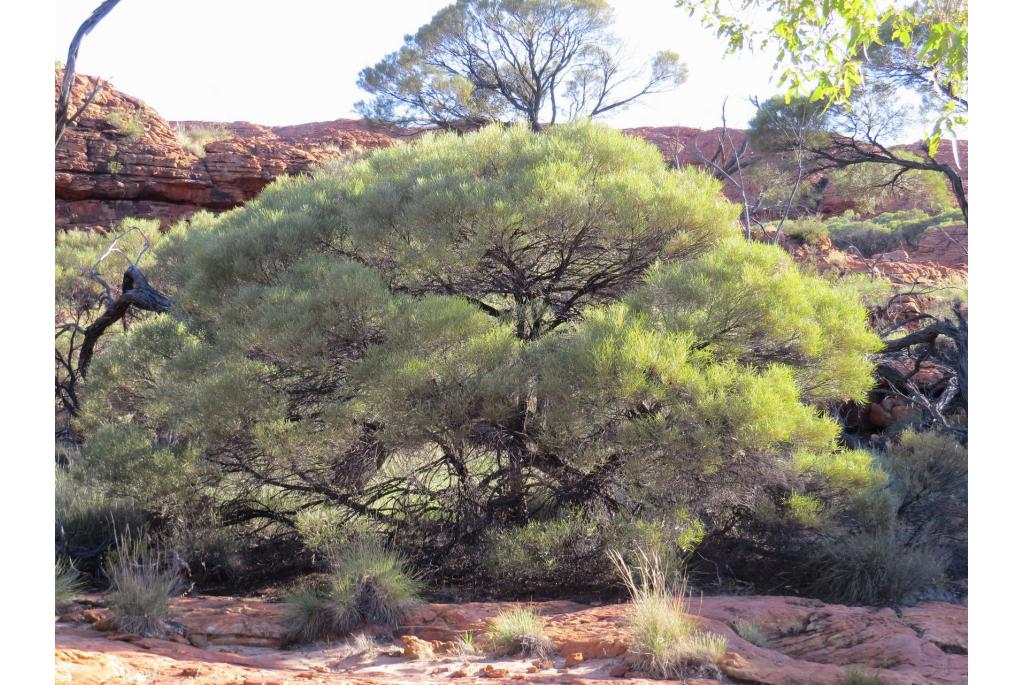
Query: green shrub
[131, 126]
[402, 341]
[368, 584]
[886, 232]
[929, 491]
[875, 569]
[807, 231]
[666, 641]
[141, 586]
[67, 583]
[518, 631]
[549, 554]
[195, 138]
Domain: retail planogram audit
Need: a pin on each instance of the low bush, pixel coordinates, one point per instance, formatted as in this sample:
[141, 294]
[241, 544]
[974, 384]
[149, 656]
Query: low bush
[368, 584]
[141, 586]
[195, 138]
[666, 641]
[875, 569]
[886, 232]
[518, 631]
[570, 551]
[807, 231]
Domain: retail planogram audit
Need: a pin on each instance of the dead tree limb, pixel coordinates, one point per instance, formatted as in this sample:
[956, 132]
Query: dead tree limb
[135, 292]
[61, 116]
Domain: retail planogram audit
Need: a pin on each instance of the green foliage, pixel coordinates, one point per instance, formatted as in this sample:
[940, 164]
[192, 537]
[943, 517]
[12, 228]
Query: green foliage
[548, 554]
[783, 125]
[84, 262]
[482, 61]
[518, 630]
[67, 583]
[869, 187]
[130, 125]
[745, 302]
[195, 138]
[368, 584]
[447, 336]
[929, 492]
[821, 48]
[141, 585]
[807, 231]
[886, 232]
[666, 641]
[114, 166]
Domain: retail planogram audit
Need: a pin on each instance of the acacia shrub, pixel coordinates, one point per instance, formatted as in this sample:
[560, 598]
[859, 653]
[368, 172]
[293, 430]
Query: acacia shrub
[437, 337]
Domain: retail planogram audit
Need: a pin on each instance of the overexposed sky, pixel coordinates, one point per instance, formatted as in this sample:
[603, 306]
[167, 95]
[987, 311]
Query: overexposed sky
[278, 63]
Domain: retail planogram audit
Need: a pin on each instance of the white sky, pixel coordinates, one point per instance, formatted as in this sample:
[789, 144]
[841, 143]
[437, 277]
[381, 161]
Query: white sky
[292, 62]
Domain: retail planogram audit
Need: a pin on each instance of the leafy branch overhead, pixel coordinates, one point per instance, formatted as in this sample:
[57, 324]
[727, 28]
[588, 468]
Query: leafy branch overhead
[825, 49]
[482, 61]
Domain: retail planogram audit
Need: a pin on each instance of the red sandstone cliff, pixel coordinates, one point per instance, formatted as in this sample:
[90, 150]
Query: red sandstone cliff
[107, 169]
[103, 174]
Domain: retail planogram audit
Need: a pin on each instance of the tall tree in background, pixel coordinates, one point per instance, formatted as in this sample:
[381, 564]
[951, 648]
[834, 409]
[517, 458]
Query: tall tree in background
[481, 61]
[63, 115]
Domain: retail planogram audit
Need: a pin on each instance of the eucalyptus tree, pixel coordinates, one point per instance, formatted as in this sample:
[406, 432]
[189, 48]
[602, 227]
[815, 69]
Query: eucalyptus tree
[480, 61]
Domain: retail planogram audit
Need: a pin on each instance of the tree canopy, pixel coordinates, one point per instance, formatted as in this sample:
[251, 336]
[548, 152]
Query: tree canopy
[462, 332]
[480, 61]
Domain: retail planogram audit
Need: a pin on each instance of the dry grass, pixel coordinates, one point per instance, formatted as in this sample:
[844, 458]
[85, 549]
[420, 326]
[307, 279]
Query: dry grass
[751, 632]
[666, 641]
[518, 631]
[141, 587]
[195, 138]
[67, 583]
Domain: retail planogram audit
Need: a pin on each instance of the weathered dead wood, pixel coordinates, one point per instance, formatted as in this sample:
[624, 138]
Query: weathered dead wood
[61, 116]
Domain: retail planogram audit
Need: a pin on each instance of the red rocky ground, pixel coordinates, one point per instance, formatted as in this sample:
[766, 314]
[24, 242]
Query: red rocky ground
[806, 642]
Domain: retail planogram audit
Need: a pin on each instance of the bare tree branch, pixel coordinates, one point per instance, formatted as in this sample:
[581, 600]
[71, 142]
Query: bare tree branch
[62, 119]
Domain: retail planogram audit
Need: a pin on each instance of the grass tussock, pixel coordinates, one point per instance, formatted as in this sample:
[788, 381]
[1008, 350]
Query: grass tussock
[855, 676]
[67, 583]
[666, 641]
[130, 125]
[368, 585]
[195, 138]
[751, 632]
[518, 630]
[141, 586]
[876, 569]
